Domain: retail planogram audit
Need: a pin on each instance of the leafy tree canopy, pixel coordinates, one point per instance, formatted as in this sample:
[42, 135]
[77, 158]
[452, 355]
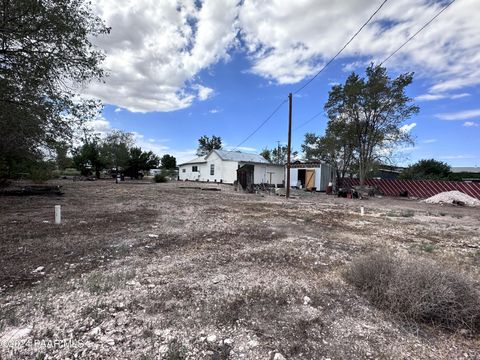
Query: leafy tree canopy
[206, 144]
[140, 161]
[45, 52]
[427, 169]
[168, 162]
[278, 155]
[372, 111]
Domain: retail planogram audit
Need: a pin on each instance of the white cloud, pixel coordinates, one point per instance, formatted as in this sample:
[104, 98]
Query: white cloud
[455, 157]
[287, 45]
[204, 92]
[214, 111]
[407, 127]
[470, 123]
[117, 110]
[156, 49]
[99, 126]
[432, 97]
[460, 115]
[429, 141]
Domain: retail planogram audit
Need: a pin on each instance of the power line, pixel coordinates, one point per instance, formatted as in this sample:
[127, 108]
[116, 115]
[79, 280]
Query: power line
[420, 30]
[341, 50]
[397, 50]
[313, 78]
[261, 124]
[308, 121]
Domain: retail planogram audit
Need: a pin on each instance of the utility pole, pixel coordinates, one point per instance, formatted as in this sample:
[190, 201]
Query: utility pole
[289, 146]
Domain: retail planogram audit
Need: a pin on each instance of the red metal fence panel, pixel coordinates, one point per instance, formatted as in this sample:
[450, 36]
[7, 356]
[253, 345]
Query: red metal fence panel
[419, 188]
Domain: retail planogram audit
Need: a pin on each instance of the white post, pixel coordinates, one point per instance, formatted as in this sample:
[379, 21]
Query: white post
[362, 211]
[58, 214]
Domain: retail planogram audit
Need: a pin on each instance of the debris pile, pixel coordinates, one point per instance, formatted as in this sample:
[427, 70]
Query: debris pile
[453, 197]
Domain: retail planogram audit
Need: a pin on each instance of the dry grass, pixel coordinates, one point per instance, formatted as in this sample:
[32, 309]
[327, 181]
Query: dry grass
[160, 268]
[418, 289]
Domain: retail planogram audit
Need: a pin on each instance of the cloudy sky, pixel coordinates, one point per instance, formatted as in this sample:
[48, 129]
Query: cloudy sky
[183, 69]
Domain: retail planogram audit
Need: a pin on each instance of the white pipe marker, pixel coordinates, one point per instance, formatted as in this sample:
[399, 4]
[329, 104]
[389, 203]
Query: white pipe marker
[58, 214]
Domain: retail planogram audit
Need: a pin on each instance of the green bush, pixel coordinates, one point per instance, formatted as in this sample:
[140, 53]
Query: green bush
[161, 177]
[40, 174]
[418, 289]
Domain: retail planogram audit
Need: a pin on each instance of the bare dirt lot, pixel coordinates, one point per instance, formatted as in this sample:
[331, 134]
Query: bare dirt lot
[158, 271]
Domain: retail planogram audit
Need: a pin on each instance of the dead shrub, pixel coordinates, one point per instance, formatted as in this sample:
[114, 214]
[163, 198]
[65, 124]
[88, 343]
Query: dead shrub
[418, 289]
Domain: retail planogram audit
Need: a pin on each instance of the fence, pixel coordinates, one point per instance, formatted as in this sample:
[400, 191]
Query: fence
[418, 188]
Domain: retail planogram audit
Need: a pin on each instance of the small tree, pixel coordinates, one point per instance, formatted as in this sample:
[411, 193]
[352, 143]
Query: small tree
[427, 169]
[168, 162]
[88, 159]
[277, 155]
[116, 149]
[266, 154]
[62, 159]
[206, 144]
[375, 108]
[336, 148]
[140, 161]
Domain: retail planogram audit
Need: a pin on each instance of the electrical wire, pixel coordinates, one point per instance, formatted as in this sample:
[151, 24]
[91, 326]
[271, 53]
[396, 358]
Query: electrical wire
[261, 124]
[398, 49]
[313, 78]
[341, 50]
[308, 121]
[420, 30]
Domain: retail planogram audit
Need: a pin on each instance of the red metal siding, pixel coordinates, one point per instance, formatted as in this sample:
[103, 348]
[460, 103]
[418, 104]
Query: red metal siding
[419, 188]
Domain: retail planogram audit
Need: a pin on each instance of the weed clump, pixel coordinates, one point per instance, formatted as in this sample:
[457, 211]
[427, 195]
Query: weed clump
[418, 289]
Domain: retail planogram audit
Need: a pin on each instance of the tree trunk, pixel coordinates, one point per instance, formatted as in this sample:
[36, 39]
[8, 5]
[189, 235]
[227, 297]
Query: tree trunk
[362, 171]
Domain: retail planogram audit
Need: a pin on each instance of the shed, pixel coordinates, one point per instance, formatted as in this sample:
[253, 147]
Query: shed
[314, 175]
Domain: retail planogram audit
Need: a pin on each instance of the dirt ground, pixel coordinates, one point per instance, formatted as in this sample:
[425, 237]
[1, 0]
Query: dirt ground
[159, 271]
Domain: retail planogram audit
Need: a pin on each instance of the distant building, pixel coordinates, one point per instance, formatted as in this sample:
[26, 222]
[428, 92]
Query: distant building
[230, 166]
[313, 175]
[467, 173]
[466, 169]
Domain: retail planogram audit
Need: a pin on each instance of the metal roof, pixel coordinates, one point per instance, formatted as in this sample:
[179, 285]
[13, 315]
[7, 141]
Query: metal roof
[240, 157]
[472, 169]
[197, 160]
[230, 156]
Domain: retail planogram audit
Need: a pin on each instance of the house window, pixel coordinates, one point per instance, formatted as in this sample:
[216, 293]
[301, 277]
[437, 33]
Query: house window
[184, 170]
[194, 168]
[212, 169]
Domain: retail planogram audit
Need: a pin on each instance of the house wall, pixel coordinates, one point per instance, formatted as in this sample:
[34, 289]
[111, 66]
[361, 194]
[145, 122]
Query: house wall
[189, 174]
[261, 174]
[226, 171]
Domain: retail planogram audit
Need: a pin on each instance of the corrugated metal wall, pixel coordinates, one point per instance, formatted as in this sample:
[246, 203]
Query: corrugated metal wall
[419, 188]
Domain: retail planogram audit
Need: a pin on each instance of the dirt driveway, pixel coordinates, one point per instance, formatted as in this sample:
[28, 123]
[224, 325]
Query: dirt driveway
[168, 271]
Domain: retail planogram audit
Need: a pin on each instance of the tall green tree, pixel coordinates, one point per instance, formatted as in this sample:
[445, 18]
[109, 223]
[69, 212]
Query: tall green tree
[206, 144]
[278, 155]
[140, 161]
[88, 158]
[62, 158]
[116, 149]
[336, 148]
[427, 169]
[45, 50]
[375, 107]
[168, 162]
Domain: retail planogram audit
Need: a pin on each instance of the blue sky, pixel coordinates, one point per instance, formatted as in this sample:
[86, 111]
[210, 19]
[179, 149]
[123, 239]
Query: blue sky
[183, 69]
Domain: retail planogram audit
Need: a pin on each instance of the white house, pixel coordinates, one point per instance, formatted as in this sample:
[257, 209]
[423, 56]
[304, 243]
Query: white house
[311, 175]
[229, 166]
